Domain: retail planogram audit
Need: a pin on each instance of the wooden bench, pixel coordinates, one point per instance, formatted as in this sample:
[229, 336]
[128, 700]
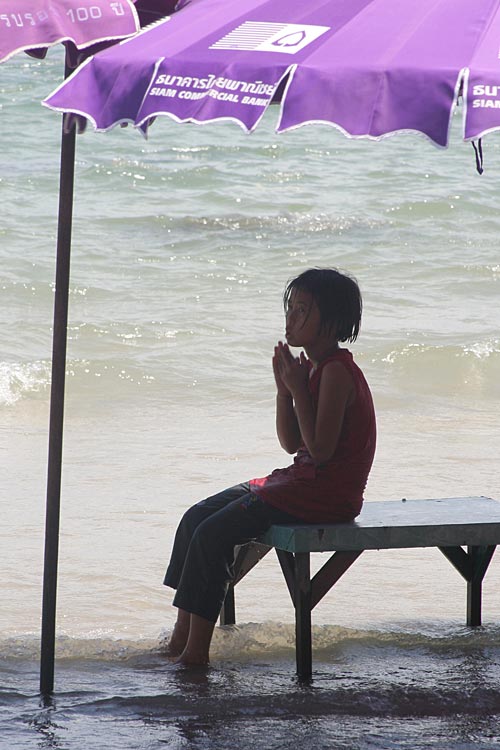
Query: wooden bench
[449, 524]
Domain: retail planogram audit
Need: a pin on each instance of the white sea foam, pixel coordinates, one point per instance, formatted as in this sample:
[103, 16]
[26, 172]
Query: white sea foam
[252, 641]
[483, 349]
[20, 380]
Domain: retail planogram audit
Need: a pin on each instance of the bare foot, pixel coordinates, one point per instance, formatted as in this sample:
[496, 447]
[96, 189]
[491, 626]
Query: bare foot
[176, 644]
[172, 651]
[190, 659]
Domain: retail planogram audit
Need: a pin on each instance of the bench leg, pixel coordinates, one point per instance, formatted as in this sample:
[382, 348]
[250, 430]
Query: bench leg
[306, 593]
[228, 611]
[474, 595]
[246, 557]
[302, 598]
[480, 558]
[472, 565]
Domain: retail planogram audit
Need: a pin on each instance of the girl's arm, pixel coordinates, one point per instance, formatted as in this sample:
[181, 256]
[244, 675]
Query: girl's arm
[320, 432]
[287, 426]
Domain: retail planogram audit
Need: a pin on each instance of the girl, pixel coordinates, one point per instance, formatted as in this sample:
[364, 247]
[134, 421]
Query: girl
[325, 415]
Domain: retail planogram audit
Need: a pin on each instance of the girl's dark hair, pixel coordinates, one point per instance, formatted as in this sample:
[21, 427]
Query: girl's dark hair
[338, 298]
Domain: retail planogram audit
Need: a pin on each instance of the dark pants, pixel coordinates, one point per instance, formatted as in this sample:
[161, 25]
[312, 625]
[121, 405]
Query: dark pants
[201, 564]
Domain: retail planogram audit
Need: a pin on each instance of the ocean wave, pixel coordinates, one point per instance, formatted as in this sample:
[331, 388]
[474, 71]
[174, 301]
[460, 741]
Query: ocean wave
[474, 365]
[478, 350]
[126, 359]
[268, 640]
[94, 647]
[472, 368]
[21, 379]
[288, 223]
[367, 699]
[419, 673]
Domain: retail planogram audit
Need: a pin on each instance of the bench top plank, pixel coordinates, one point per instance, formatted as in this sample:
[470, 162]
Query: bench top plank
[397, 524]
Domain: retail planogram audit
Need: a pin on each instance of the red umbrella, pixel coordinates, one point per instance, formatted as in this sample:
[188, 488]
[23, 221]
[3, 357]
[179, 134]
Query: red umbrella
[84, 26]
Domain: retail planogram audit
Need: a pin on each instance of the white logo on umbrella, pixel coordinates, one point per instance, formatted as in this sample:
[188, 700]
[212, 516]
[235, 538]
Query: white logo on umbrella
[259, 36]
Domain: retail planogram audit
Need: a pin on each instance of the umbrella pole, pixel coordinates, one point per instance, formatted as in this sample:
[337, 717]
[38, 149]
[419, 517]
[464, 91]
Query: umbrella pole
[59, 339]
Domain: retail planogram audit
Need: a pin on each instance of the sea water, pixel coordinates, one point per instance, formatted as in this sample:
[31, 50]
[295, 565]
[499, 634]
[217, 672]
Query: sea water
[182, 246]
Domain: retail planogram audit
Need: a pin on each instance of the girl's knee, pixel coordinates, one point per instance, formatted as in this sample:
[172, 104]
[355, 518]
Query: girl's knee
[192, 518]
[209, 535]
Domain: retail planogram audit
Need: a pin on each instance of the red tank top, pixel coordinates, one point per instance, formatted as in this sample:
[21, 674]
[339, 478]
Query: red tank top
[333, 491]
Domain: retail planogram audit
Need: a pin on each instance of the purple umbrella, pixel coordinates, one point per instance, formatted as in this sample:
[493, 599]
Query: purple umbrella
[83, 26]
[82, 22]
[369, 68]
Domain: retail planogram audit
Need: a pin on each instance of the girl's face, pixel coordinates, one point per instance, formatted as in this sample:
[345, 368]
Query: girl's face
[303, 320]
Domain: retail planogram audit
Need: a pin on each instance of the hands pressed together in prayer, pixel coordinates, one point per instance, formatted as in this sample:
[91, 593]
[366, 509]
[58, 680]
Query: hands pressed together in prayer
[290, 373]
